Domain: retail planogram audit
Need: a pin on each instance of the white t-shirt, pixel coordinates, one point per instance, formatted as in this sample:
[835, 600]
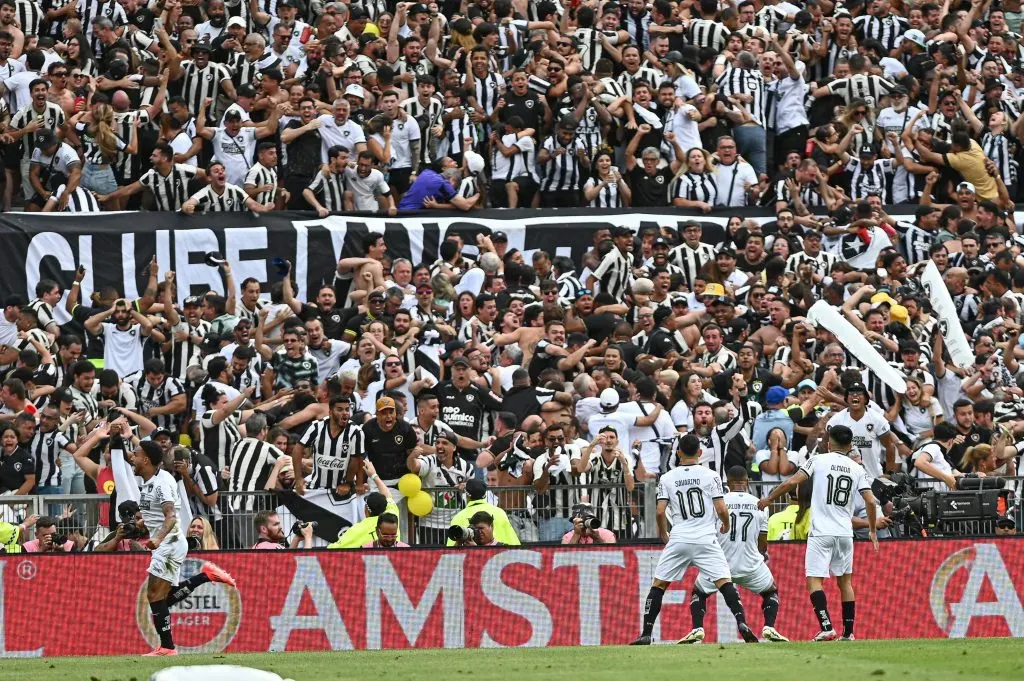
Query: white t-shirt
[347, 135]
[122, 350]
[746, 525]
[153, 494]
[730, 180]
[622, 423]
[403, 134]
[198, 408]
[691, 492]
[836, 481]
[650, 452]
[763, 455]
[866, 434]
[931, 452]
[235, 153]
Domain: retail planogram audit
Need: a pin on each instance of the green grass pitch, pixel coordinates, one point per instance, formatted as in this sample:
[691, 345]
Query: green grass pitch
[906, 660]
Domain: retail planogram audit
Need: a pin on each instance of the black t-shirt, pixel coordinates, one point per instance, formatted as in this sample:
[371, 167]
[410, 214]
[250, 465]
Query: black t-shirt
[750, 268]
[387, 451]
[303, 153]
[464, 410]
[649, 190]
[334, 320]
[600, 326]
[977, 435]
[528, 107]
[756, 387]
[541, 360]
[14, 469]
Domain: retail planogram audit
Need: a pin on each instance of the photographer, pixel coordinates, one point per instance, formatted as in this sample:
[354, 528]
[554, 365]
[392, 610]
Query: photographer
[271, 534]
[587, 527]
[479, 533]
[476, 493]
[128, 532]
[47, 539]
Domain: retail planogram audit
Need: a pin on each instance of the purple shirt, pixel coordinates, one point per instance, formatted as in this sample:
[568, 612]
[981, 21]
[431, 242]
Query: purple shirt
[428, 183]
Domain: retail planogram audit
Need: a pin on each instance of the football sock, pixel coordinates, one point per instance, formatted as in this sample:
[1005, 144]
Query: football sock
[849, 613]
[162, 622]
[186, 588]
[698, 606]
[820, 604]
[770, 607]
[651, 609]
[732, 599]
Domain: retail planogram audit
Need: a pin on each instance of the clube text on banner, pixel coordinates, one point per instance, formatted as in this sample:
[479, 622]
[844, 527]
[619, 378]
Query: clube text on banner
[473, 598]
[53, 245]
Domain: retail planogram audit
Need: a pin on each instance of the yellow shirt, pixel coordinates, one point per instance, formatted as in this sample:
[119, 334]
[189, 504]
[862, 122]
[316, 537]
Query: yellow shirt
[503, 530]
[971, 164]
[783, 525]
[363, 532]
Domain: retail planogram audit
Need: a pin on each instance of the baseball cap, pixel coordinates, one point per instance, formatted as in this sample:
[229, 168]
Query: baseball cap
[385, 403]
[660, 241]
[158, 432]
[355, 12]
[609, 398]
[366, 38]
[915, 36]
[474, 162]
[203, 46]
[966, 187]
[643, 285]
[233, 115]
[775, 395]
[621, 231]
[673, 57]
[376, 295]
[909, 345]
[419, 8]
[192, 301]
[461, 362]
[446, 435]
[806, 383]
[866, 150]
[287, 3]
[722, 300]
[45, 138]
[856, 388]
[992, 83]
[714, 289]
[236, 21]
[898, 90]
[355, 90]
[476, 489]
[246, 90]
[499, 236]
[727, 251]
[881, 298]
[898, 313]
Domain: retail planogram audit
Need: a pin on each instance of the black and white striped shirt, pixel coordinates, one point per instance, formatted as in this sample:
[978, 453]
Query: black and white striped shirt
[88, 10]
[708, 33]
[997, 148]
[608, 197]
[867, 181]
[421, 68]
[914, 241]
[330, 190]
[184, 354]
[81, 201]
[691, 260]
[169, 191]
[129, 164]
[216, 440]
[613, 274]
[250, 72]
[652, 77]
[30, 16]
[53, 118]
[232, 199]
[885, 30]
[562, 171]
[822, 263]
[205, 475]
[697, 187]
[260, 175]
[91, 151]
[769, 18]
[824, 68]
[488, 90]
[331, 453]
[568, 285]
[716, 442]
[735, 81]
[808, 193]
[200, 84]
[156, 396]
[45, 447]
[861, 86]
[427, 115]
[252, 461]
[590, 47]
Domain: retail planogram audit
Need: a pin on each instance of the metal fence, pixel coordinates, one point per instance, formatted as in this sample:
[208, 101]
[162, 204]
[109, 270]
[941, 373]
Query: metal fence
[536, 517]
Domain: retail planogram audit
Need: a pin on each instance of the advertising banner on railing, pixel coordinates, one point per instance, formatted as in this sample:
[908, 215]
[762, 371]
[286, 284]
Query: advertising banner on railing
[115, 248]
[92, 604]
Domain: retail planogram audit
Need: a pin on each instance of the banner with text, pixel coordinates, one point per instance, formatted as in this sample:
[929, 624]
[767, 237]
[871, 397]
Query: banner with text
[339, 600]
[115, 248]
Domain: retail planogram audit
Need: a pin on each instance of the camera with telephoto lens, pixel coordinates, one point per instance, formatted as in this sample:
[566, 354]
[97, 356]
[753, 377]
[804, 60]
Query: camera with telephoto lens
[460, 534]
[126, 511]
[299, 526]
[587, 515]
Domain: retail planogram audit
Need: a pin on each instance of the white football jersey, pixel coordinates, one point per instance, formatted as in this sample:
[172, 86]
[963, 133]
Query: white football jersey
[153, 494]
[866, 434]
[746, 524]
[691, 492]
[938, 459]
[836, 479]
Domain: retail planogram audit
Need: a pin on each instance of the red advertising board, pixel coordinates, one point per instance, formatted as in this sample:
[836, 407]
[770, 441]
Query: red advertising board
[90, 604]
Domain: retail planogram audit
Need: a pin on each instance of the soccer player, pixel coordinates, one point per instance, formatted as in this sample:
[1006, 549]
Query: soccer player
[834, 476]
[685, 496]
[159, 504]
[745, 546]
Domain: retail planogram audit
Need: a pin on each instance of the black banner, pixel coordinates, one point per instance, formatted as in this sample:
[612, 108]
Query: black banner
[115, 248]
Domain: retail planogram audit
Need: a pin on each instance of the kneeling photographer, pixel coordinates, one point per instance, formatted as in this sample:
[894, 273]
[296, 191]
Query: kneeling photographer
[129, 533]
[586, 527]
[479, 533]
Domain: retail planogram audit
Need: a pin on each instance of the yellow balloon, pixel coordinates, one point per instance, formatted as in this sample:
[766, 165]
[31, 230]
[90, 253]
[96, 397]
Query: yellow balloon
[409, 485]
[421, 504]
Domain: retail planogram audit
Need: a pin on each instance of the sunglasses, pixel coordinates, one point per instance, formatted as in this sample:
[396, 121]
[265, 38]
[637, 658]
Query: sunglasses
[392, 364]
[860, 113]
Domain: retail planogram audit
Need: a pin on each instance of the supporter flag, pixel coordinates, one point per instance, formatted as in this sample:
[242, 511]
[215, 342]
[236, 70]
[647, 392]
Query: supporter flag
[332, 513]
[823, 314]
[949, 321]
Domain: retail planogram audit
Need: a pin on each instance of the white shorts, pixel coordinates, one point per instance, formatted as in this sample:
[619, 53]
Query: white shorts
[758, 581]
[165, 562]
[828, 556]
[709, 559]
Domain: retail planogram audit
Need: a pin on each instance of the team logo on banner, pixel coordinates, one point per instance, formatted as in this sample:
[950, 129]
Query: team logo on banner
[205, 622]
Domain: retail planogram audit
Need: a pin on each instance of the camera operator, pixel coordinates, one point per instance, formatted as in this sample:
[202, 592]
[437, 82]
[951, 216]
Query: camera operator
[271, 533]
[476, 492]
[931, 460]
[479, 533]
[586, 527]
[128, 532]
[47, 539]
[386, 535]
